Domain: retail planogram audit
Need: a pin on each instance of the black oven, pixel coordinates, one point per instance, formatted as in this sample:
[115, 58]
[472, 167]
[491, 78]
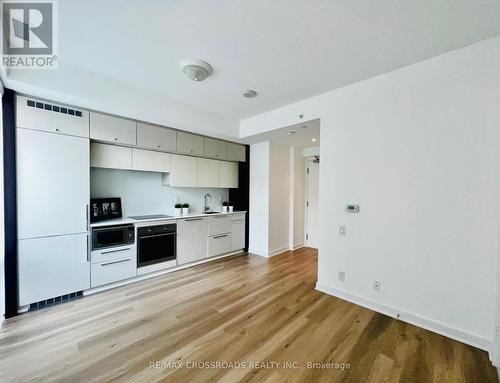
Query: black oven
[112, 236]
[156, 244]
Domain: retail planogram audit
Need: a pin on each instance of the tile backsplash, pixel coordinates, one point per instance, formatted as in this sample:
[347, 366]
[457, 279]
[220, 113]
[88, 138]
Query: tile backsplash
[143, 192]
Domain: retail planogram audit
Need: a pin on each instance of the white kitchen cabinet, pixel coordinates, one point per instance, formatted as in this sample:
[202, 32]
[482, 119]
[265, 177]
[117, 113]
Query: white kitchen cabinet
[104, 127]
[219, 224]
[53, 183]
[208, 173]
[192, 234]
[236, 152]
[183, 172]
[111, 254]
[228, 174]
[112, 271]
[50, 117]
[156, 137]
[147, 160]
[110, 156]
[190, 143]
[219, 244]
[238, 232]
[215, 148]
[52, 266]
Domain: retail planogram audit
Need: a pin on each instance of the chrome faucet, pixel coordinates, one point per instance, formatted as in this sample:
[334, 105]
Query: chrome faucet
[205, 198]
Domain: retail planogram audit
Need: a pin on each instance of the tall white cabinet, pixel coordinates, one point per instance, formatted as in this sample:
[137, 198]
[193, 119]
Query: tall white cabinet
[53, 178]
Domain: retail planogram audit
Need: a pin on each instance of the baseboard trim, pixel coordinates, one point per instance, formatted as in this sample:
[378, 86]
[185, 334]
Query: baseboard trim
[298, 246]
[426, 323]
[278, 251]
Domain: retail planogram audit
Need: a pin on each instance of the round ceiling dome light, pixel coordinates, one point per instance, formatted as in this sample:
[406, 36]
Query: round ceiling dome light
[249, 93]
[196, 70]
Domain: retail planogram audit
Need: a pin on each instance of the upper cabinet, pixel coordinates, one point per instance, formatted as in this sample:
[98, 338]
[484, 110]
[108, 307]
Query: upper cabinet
[50, 117]
[112, 129]
[236, 152]
[215, 148]
[150, 161]
[190, 143]
[208, 173]
[110, 156]
[228, 174]
[184, 171]
[157, 138]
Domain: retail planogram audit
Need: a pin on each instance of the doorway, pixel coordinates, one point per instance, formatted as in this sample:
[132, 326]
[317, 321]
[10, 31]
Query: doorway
[312, 203]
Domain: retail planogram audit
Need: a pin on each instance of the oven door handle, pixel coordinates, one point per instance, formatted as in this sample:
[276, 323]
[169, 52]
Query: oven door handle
[155, 235]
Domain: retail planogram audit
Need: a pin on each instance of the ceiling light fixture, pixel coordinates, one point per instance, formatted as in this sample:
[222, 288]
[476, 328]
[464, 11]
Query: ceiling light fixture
[290, 133]
[196, 70]
[249, 93]
[314, 140]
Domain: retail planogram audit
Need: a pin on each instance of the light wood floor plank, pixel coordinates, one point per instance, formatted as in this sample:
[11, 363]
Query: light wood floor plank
[242, 309]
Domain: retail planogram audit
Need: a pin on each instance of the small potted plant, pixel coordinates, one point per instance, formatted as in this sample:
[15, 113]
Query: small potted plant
[231, 207]
[178, 209]
[185, 208]
[224, 206]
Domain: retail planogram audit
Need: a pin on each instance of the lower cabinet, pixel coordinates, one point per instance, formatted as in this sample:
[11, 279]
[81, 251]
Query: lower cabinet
[219, 244]
[52, 266]
[112, 265]
[238, 234]
[192, 234]
[112, 271]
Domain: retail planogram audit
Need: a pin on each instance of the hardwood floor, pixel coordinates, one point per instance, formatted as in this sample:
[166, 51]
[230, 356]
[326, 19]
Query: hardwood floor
[243, 309]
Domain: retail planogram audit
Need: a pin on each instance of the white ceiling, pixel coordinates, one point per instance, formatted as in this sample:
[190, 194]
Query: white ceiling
[286, 50]
[303, 135]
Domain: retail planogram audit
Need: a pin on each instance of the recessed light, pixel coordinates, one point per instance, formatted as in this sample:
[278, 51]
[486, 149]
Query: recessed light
[290, 133]
[249, 93]
[314, 140]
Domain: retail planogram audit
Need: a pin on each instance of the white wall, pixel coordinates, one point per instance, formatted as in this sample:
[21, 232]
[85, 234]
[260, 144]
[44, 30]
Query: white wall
[279, 198]
[259, 199]
[143, 192]
[418, 148]
[310, 152]
[276, 198]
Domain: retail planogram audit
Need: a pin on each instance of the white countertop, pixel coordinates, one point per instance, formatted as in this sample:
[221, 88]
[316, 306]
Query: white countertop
[127, 220]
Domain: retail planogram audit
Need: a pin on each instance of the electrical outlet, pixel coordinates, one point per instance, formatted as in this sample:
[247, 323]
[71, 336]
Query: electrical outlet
[342, 230]
[341, 276]
[376, 285]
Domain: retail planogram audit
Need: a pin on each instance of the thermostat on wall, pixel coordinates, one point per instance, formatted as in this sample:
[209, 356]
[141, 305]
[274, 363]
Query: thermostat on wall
[352, 208]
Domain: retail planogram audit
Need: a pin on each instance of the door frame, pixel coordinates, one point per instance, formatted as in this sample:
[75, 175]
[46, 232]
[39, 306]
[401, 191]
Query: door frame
[306, 195]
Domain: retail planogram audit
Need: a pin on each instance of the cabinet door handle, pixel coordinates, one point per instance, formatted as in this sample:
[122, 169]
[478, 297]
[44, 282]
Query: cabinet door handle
[114, 251]
[87, 216]
[88, 252]
[220, 236]
[113, 262]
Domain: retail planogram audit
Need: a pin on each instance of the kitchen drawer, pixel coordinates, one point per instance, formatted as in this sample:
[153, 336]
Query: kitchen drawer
[219, 225]
[112, 271]
[113, 253]
[219, 244]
